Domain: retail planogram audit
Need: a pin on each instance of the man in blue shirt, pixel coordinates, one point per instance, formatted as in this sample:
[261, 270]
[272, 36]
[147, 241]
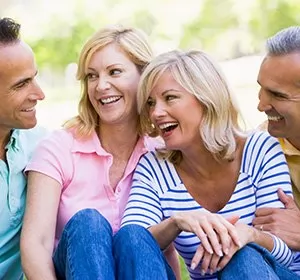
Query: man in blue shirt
[19, 94]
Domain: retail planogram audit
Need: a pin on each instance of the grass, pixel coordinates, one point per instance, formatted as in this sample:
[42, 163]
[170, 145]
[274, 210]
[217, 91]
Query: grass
[184, 272]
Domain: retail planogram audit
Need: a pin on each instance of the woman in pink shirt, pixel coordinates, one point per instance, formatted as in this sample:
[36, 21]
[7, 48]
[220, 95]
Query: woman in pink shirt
[79, 178]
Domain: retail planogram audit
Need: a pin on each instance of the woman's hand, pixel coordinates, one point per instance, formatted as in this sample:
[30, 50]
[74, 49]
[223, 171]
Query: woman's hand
[215, 232]
[213, 262]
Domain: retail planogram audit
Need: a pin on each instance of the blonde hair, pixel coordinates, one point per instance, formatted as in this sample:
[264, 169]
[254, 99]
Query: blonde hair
[132, 42]
[198, 74]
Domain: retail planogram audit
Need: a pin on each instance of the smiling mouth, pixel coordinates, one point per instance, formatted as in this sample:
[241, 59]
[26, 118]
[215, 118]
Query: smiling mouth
[28, 110]
[166, 127]
[109, 100]
[275, 118]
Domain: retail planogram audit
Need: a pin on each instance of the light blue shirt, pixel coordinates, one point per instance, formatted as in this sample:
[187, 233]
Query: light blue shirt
[12, 198]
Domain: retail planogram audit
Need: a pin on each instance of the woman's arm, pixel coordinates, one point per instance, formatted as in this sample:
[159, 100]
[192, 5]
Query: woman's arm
[38, 232]
[172, 258]
[144, 208]
[273, 173]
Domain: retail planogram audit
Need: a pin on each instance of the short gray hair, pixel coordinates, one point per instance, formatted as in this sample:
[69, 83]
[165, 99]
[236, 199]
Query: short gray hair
[285, 41]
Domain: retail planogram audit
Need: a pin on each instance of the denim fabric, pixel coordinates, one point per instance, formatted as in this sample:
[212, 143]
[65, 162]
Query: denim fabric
[85, 248]
[138, 255]
[255, 262]
[88, 250]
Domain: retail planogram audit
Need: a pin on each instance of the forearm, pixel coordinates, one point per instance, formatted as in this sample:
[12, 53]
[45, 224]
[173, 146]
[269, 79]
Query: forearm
[275, 245]
[263, 239]
[172, 258]
[165, 232]
[37, 263]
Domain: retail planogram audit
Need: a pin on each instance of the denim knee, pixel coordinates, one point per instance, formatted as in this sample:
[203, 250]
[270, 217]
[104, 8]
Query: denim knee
[89, 219]
[132, 235]
[248, 263]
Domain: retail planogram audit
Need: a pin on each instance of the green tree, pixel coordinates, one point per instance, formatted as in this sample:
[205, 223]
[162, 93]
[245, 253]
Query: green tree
[269, 16]
[213, 21]
[61, 43]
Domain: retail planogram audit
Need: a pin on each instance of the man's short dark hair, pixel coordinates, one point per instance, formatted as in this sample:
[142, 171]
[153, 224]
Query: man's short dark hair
[9, 31]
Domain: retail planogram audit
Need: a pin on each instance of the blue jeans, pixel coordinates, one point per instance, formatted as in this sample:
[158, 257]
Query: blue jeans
[89, 250]
[255, 262]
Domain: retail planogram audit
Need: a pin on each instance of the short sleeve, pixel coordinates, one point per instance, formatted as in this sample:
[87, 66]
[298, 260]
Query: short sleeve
[53, 157]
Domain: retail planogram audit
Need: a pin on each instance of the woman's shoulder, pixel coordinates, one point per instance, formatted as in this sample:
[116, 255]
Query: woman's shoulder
[260, 138]
[61, 135]
[153, 143]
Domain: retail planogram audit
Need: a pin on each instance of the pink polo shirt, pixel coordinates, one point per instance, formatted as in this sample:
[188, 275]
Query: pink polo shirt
[82, 169]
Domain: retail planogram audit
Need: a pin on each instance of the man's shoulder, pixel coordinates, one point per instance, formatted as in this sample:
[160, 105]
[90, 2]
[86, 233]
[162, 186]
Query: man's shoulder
[28, 139]
[34, 133]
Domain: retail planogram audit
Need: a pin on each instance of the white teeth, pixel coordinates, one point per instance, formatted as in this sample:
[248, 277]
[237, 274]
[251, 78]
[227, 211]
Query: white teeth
[28, 110]
[110, 99]
[274, 118]
[166, 125]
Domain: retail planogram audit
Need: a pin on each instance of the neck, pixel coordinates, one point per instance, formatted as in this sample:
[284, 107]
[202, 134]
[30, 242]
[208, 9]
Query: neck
[295, 142]
[201, 163]
[119, 140]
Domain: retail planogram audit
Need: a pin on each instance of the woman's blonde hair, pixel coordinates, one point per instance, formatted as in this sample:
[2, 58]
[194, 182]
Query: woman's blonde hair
[198, 74]
[133, 42]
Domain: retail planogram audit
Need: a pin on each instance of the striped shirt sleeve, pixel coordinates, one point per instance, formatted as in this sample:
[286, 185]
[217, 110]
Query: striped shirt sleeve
[269, 172]
[143, 207]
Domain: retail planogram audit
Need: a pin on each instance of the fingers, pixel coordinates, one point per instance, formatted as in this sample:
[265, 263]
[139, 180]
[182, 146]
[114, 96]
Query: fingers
[220, 233]
[287, 200]
[224, 261]
[211, 231]
[209, 262]
[197, 257]
[204, 239]
[213, 266]
[206, 262]
[229, 235]
[264, 211]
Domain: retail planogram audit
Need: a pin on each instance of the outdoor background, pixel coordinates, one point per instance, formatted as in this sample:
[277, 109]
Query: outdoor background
[233, 31]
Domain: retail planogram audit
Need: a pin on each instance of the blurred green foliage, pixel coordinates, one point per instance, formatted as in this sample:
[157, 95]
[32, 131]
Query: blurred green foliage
[222, 26]
[61, 43]
[227, 28]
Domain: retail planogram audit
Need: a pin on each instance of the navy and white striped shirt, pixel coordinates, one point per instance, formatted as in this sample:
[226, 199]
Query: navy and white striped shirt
[158, 193]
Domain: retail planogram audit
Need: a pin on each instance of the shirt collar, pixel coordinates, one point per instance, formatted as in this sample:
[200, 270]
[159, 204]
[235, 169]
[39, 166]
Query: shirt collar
[14, 141]
[93, 145]
[88, 145]
[288, 148]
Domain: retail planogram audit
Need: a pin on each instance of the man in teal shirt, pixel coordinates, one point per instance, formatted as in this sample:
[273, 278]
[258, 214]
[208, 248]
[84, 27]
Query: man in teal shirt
[19, 94]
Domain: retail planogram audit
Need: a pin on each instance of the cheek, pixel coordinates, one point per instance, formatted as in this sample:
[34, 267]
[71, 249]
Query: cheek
[132, 90]
[150, 111]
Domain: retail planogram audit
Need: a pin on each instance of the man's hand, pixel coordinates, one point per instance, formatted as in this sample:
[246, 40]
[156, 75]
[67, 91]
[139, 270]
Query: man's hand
[284, 222]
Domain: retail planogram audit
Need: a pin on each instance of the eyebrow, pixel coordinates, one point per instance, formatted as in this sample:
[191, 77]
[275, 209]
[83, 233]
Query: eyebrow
[168, 90]
[273, 91]
[107, 67]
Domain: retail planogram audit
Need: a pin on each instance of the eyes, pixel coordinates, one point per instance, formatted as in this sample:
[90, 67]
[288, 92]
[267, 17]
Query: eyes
[278, 95]
[114, 72]
[22, 84]
[167, 98]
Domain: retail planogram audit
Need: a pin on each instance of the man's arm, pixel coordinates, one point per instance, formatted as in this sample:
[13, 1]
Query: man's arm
[284, 222]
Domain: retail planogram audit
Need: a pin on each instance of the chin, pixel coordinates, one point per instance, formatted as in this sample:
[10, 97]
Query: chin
[28, 125]
[276, 133]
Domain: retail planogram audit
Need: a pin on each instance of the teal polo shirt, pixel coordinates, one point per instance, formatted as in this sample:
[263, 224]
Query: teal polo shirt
[12, 198]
